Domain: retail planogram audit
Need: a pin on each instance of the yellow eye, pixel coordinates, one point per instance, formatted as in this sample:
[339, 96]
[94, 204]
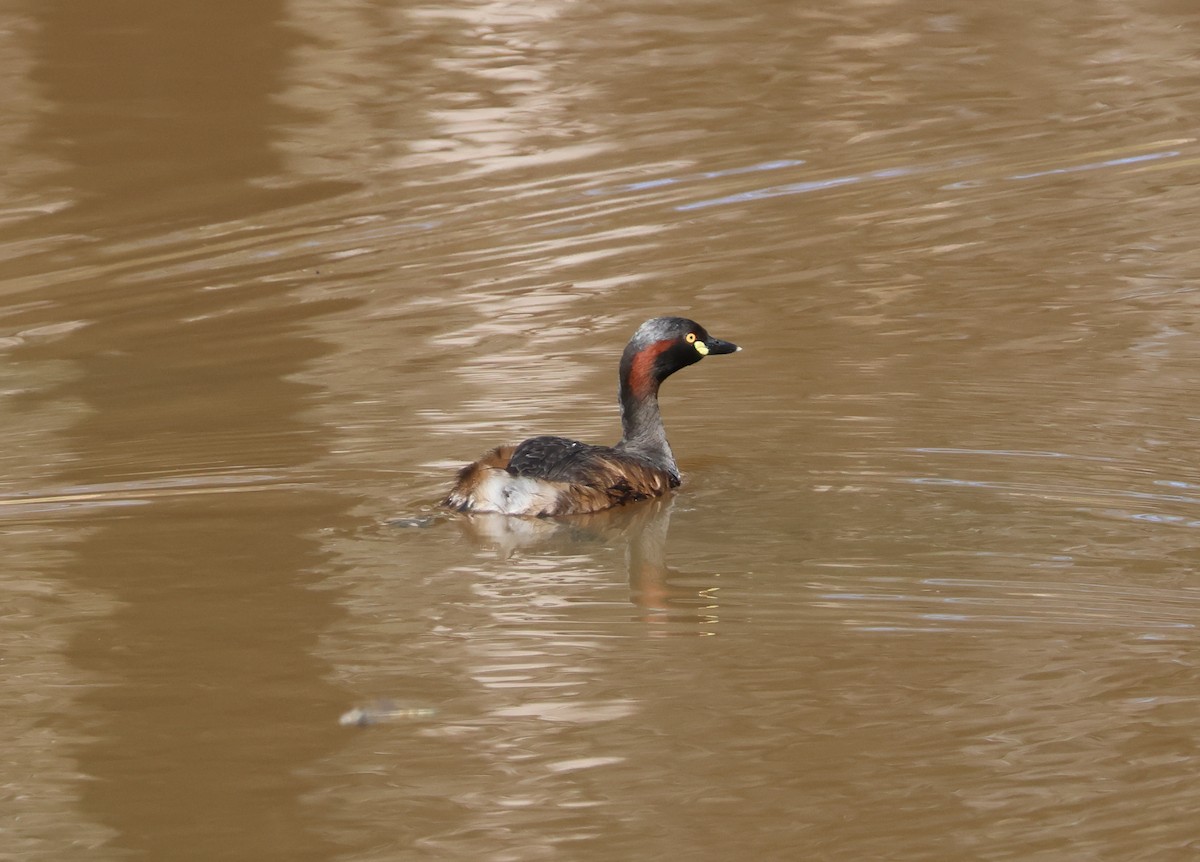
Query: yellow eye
[691, 337]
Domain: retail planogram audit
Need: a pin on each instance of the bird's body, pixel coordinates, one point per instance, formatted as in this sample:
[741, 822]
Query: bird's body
[546, 476]
[573, 478]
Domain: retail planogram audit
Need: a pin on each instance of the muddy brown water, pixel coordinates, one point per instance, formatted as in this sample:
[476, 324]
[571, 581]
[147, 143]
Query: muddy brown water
[269, 272]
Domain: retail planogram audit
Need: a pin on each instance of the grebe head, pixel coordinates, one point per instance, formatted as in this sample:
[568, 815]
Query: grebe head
[663, 345]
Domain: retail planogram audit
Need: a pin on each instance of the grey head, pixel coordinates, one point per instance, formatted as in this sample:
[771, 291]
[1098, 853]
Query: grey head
[663, 345]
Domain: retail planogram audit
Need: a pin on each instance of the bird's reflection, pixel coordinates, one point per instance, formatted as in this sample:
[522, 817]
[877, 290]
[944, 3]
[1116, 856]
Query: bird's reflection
[656, 589]
[670, 601]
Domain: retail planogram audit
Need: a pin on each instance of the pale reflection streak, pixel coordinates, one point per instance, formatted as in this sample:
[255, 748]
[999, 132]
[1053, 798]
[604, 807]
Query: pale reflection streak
[42, 722]
[662, 182]
[23, 108]
[498, 105]
[912, 170]
[505, 104]
[137, 493]
[542, 650]
[535, 662]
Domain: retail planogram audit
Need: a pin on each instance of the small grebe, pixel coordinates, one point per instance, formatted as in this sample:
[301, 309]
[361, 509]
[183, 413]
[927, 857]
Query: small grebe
[555, 476]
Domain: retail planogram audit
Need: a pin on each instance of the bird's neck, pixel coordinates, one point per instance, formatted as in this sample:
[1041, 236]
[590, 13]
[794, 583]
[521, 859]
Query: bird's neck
[642, 431]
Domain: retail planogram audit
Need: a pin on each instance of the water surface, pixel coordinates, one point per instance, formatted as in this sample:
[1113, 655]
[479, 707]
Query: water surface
[270, 274]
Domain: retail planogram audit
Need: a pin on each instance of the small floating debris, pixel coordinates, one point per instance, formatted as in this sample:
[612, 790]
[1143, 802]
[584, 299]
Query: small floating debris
[417, 522]
[384, 710]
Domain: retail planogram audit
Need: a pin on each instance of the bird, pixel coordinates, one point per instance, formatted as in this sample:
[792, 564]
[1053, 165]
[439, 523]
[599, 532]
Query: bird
[553, 476]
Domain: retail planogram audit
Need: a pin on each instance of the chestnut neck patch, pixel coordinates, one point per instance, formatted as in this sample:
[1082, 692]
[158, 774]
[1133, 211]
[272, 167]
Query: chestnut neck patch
[642, 380]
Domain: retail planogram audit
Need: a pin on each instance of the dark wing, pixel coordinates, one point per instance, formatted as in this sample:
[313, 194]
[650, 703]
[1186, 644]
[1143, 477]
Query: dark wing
[555, 459]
